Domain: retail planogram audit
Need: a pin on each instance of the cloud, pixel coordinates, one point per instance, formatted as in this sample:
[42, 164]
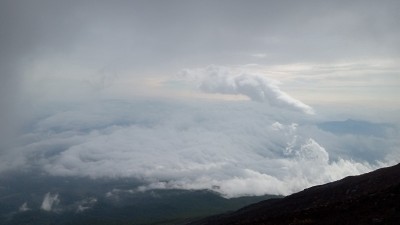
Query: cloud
[61, 52]
[56, 50]
[86, 204]
[239, 147]
[50, 201]
[257, 87]
[24, 207]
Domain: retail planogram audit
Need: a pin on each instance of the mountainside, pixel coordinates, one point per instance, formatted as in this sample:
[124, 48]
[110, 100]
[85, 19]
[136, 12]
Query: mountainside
[36, 199]
[372, 198]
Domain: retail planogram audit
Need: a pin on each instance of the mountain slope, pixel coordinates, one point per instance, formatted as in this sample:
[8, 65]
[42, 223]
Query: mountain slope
[37, 199]
[372, 198]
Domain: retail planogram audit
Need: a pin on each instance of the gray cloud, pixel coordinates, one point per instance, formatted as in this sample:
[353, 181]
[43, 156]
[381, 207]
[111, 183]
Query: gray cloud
[26, 27]
[132, 37]
[138, 35]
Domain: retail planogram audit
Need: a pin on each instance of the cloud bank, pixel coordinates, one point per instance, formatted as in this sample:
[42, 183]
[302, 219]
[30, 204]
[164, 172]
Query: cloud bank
[257, 87]
[234, 148]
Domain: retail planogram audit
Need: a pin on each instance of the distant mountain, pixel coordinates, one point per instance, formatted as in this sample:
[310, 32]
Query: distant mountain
[357, 127]
[372, 198]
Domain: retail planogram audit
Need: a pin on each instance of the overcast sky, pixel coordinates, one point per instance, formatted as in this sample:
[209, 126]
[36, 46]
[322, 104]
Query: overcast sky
[286, 63]
[348, 49]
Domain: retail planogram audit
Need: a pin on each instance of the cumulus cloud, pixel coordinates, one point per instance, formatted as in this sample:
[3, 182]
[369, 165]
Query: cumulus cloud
[50, 201]
[234, 148]
[24, 207]
[215, 79]
[86, 204]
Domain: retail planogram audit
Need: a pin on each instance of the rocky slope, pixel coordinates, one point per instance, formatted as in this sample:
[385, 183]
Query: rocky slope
[372, 198]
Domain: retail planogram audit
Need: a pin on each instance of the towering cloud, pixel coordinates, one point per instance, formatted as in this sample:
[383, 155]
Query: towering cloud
[257, 87]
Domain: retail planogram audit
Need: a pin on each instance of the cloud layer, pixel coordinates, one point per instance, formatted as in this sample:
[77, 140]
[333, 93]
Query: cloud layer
[234, 148]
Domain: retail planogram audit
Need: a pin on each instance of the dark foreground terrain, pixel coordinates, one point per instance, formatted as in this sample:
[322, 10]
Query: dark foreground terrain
[104, 201]
[372, 198]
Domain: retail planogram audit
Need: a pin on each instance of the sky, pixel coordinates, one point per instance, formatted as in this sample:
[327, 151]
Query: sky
[239, 95]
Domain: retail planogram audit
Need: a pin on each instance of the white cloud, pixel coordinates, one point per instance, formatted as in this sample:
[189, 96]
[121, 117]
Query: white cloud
[50, 201]
[243, 148]
[86, 204]
[24, 207]
[215, 79]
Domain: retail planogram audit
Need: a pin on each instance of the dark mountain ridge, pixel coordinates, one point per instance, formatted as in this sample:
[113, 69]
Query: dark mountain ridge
[371, 198]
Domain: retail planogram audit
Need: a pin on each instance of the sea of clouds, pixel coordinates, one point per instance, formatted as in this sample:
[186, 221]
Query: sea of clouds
[273, 145]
